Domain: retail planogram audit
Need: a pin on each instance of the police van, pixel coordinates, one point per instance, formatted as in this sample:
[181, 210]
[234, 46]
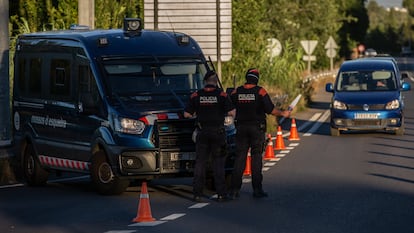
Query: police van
[108, 103]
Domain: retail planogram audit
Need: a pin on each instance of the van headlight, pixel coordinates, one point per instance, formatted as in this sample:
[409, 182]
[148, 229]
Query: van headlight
[395, 104]
[229, 122]
[338, 105]
[130, 126]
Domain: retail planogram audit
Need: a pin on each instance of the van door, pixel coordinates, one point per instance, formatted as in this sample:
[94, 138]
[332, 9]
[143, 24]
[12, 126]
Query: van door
[90, 108]
[60, 116]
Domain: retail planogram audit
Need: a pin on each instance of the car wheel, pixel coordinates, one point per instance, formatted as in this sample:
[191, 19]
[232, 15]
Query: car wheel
[34, 174]
[400, 131]
[104, 178]
[335, 132]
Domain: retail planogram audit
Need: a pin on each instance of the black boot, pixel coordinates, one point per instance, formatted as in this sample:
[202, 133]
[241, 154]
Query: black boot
[259, 193]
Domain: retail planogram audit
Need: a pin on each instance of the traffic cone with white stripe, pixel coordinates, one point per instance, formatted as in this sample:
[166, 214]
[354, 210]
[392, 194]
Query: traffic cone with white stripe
[269, 153]
[248, 168]
[144, 208]
[293, 131]
[280, 144]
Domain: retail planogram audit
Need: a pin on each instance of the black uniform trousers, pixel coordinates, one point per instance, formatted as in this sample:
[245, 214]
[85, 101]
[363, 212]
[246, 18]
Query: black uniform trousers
[249, 135]
[210, 142]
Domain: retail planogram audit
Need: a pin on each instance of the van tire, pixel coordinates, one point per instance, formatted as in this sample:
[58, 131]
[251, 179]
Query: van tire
[335, 132]
[33, 172]
[103, 177]
[400, 131]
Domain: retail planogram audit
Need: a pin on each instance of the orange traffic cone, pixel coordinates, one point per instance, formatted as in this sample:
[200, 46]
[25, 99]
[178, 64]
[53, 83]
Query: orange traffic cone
[280, 144]
[144, 209]
[248, 168]
[269, 153]
[293, 131]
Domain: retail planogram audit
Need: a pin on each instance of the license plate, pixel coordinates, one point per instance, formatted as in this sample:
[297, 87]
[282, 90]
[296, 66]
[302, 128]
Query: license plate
[176, 156]
[366, 116]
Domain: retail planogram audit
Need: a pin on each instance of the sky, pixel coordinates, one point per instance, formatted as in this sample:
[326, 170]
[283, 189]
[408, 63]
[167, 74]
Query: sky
[390, 3]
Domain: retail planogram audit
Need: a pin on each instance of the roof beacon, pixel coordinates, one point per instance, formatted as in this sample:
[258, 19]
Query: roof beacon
[132, 26]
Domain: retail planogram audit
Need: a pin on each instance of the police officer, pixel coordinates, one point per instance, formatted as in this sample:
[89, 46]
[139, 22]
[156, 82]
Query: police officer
[252, 104]
[210, 105]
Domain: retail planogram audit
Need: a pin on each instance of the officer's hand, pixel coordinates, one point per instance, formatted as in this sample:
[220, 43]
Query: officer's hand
[285, 114]
[188, 115]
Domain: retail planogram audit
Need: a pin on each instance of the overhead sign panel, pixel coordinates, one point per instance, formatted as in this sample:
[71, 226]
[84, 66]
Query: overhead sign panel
[207, 21]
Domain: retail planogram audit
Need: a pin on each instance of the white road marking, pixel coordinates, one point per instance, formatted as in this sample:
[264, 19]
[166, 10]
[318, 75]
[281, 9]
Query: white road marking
[246, 180]
[146, 224]
[198, 205]
[124, 231]
[172, 217]
[311, 121]
[318, 123]
[11, 186]
[274, 159]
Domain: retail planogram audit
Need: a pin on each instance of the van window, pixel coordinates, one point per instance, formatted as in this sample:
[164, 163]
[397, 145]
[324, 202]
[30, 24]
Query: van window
[35, 77]
[88, 90]
[21, 76]
[60, 78]
[123, 69]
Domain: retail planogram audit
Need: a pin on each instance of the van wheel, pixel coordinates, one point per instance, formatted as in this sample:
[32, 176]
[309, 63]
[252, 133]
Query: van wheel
[400, 131]
[34, 174]
[103, 177]
[335, 132]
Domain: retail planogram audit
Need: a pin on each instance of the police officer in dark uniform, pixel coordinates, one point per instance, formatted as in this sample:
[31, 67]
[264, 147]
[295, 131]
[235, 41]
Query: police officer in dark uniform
[252, 104]
[210, 105]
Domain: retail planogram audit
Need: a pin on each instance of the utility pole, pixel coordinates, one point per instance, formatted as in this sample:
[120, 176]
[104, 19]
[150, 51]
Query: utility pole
[86, 13]
[5, 119]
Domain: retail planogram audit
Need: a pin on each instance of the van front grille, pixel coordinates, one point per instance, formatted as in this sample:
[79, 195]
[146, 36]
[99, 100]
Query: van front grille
[177, 149]
[370, 107]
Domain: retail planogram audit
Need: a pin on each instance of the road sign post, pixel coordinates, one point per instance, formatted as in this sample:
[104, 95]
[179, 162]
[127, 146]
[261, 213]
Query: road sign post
[274, 48]
[330, 47]
[309, 46]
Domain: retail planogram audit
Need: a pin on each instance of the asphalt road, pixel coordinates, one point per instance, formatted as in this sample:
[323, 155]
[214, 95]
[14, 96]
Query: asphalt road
[354, 183]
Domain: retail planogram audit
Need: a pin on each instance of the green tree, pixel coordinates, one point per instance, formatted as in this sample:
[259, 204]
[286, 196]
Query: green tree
[110, 13]
[249, 40]
[355, 22]
[409, 5]
[293, 21]
[389, 30]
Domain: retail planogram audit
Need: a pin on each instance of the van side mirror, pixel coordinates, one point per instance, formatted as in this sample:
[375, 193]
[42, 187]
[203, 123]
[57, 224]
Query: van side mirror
[329, 87]
[406, 86]
[87, 104]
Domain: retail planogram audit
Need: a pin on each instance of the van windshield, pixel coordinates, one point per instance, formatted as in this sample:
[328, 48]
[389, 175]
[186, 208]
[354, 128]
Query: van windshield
[157, 84]
[367, 80]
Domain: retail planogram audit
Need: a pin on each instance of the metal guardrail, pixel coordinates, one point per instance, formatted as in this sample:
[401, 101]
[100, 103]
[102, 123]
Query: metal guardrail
[313, 77]
[280, 100]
